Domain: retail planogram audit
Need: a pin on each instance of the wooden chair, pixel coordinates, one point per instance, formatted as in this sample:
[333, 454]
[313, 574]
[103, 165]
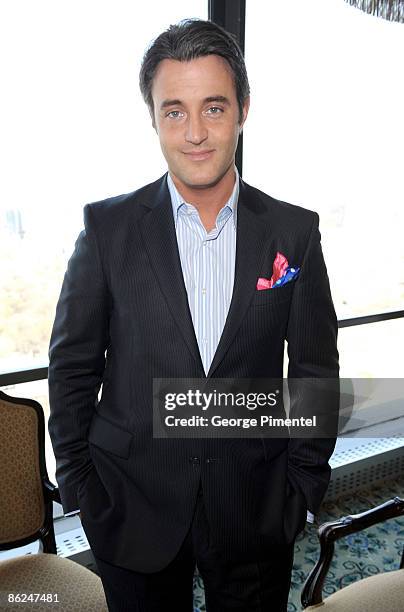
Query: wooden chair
[384, 591]
[26, 515]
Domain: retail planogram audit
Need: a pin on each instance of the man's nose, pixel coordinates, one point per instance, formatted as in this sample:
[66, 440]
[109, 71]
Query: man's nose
[196, 131]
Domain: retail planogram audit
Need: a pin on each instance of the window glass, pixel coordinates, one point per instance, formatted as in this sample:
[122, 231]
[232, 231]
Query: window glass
[74, 129]
[325, 131]
[373, 350]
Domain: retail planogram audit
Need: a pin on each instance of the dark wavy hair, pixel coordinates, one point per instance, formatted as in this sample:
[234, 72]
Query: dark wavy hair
[188, 40]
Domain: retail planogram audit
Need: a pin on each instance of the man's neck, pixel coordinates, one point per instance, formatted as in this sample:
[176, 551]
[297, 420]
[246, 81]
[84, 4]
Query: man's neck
[209, 200]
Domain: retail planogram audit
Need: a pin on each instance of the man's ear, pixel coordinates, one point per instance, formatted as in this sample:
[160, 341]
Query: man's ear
[246, 106]
[151, 113]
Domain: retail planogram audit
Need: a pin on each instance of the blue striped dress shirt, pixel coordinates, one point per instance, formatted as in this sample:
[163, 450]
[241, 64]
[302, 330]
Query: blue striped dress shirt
[208, 262]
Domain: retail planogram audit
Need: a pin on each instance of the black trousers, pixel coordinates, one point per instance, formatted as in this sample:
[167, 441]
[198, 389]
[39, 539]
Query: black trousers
[246, 587]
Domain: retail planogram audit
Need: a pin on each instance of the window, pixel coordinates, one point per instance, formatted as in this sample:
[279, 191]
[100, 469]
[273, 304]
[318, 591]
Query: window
[74, 130]
[325, 132]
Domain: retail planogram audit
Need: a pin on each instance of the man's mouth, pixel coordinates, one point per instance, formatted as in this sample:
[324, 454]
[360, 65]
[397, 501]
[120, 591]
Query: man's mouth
[199, 155]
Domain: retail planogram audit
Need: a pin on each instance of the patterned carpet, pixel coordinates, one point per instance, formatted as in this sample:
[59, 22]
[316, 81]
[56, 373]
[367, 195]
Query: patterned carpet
[368, 552]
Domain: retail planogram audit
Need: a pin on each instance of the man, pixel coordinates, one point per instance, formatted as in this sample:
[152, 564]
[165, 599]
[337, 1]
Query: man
[165, 282]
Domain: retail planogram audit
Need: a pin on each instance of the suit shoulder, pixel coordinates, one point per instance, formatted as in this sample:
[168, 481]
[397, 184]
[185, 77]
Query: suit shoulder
[284, 211]
[119, 208]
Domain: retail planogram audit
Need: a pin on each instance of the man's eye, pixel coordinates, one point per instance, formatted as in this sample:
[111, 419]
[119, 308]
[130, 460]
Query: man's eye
[174, 114]
[215, 110]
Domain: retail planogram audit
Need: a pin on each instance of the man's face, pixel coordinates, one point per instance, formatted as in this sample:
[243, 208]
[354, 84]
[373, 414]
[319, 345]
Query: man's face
[196, 117]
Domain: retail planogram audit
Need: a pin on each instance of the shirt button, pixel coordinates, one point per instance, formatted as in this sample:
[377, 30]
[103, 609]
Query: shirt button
[194, 460]
[204, 290]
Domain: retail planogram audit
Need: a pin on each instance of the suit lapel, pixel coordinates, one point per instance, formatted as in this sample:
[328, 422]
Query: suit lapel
[158, 231]
[252, 231]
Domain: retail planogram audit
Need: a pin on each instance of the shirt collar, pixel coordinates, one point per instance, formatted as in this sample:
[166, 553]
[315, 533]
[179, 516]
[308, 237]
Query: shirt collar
[177, 200]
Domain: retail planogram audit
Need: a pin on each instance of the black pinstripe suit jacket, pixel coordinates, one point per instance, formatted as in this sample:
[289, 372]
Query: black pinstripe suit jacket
[123, 318]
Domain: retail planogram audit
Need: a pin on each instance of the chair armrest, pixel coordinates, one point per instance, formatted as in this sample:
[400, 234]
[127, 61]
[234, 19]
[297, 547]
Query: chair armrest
[51, 491]
[332, 531]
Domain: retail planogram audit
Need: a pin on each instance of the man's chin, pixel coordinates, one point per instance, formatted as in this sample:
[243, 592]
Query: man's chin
[203, 184]
[202, 181]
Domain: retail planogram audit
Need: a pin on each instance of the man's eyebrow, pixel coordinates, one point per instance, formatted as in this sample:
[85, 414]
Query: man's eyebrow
[221, 99]
[166, 103]
[208, 100]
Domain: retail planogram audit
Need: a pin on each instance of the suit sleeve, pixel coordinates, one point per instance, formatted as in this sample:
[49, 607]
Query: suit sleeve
[313, 355]
[79, 339]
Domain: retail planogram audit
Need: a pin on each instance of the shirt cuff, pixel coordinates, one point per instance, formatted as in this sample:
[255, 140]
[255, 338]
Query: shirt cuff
[310, 517]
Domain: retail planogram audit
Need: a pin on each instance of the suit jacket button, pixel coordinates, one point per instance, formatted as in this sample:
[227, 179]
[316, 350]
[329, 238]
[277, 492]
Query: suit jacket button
[194, 460]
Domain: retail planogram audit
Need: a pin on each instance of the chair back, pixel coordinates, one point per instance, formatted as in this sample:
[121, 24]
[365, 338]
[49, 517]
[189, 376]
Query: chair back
[328, 534]
[24, 507]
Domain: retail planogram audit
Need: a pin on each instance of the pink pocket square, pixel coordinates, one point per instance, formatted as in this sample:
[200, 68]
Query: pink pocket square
[281, 274]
